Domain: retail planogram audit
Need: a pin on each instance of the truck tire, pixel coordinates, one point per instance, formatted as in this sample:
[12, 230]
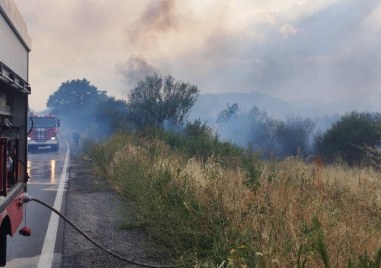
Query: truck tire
[3, 247]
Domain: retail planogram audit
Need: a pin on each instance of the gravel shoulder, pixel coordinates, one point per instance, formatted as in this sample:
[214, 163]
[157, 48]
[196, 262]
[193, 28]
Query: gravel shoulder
[96, 208]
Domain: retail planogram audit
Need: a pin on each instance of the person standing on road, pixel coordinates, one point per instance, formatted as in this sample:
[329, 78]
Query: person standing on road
[76, 137]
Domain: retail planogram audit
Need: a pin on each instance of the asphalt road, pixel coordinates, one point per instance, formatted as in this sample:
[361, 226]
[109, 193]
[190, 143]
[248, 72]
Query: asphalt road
[44, 247]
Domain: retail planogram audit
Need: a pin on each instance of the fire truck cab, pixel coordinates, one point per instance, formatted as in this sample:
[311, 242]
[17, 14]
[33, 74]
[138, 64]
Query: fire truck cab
[15, 46]
[43, 132]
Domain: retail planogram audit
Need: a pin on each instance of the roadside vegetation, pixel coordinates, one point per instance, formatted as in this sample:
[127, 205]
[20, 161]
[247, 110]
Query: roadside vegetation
[220, 209]
[284, 199]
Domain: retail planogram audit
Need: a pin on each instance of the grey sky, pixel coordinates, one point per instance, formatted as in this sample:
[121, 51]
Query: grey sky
[289, 49]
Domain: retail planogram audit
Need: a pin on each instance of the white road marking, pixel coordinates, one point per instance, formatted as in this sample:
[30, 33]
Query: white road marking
[47, 253]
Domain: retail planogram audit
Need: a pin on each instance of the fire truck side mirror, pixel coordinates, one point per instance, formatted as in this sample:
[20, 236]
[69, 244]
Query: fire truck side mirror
[59, 122]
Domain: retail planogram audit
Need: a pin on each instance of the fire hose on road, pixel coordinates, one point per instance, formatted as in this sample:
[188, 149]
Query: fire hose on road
[28, 198]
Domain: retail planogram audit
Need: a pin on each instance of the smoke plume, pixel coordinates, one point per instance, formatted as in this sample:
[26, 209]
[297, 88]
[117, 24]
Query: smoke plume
[135, 69]
[157, 18]
[294, 50]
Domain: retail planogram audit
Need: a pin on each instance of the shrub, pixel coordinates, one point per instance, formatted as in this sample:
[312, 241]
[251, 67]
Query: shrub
[345, 139]
[157, 99]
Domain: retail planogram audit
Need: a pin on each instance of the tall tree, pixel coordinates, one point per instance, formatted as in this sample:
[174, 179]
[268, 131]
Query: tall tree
[84, 108]
[157, 99]
[74, 95]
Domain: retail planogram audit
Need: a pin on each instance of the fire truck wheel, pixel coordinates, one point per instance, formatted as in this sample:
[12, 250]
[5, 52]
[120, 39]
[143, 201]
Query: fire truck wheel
[3, 246]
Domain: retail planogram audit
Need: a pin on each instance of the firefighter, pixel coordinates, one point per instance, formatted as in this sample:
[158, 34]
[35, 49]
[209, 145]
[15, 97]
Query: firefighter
[76, 137]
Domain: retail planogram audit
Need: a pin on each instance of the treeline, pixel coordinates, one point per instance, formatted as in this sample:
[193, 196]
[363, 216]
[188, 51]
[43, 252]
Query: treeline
[353, 138]
[163, 103]
[153, 102]
[271, 137]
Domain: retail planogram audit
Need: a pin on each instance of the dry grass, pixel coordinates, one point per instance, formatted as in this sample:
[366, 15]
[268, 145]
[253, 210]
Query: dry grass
[344, 200]
[300, 214]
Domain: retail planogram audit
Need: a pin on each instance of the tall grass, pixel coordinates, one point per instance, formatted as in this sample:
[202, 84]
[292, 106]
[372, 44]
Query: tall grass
[245, 213]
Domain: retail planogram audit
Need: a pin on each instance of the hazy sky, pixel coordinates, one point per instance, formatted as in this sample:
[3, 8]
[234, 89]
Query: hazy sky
[326, 49]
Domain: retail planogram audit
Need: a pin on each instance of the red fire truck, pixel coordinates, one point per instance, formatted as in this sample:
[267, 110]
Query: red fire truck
[15, 46]
[43, 132]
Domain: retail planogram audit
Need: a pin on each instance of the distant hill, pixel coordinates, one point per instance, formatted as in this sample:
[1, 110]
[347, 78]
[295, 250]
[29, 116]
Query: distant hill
[370, 102]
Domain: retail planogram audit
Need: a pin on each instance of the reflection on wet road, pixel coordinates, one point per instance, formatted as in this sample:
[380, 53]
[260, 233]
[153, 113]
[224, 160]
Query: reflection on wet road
[40, 167]
[45, 168]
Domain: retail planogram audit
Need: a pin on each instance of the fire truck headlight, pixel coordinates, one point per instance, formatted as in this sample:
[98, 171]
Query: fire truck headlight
[53, 138]
[29, 138]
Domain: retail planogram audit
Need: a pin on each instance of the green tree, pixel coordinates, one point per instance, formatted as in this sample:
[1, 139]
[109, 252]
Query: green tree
[84, 108]
[74, 95]
[346, 138]
[157, 99]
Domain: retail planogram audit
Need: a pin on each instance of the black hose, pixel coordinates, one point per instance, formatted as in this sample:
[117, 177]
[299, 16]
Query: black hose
[94, 242]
